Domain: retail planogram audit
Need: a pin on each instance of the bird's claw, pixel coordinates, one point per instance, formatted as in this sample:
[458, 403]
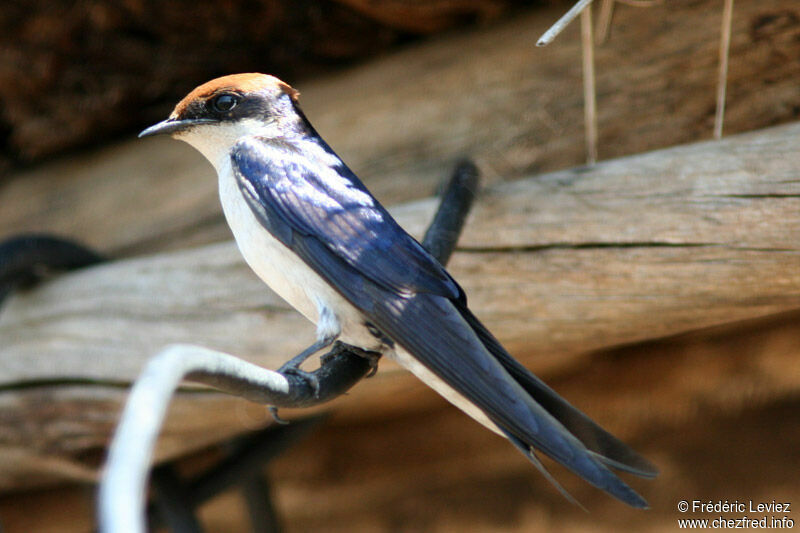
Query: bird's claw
[372, 358]
[373, 366]
[274, 412]
[308, 377]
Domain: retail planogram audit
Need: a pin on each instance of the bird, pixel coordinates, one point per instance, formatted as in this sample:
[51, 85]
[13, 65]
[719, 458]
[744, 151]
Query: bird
[311, 230]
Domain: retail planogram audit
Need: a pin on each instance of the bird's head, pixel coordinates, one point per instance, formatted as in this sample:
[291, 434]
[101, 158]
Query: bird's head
[216, 114]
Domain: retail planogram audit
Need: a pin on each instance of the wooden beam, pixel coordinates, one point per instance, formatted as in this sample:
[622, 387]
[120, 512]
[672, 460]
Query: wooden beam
[558, 265]
[637, 248]
[489, 93]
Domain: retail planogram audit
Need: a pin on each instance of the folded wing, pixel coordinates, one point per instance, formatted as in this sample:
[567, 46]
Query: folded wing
[329, 219]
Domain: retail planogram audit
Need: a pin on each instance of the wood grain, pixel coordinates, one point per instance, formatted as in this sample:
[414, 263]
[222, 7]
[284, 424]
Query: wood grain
[557, 266]
[402, 121]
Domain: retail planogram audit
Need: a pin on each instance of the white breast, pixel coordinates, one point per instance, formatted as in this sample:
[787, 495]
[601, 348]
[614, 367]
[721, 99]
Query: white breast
[283, 271]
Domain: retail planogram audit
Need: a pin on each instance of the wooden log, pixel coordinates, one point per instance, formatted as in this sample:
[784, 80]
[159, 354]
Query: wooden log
[570, 262]
[401, 121]
[633, 249]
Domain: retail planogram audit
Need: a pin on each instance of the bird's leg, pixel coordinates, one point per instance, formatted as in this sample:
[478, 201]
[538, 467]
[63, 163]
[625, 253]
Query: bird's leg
[292, 366]
[328, 330]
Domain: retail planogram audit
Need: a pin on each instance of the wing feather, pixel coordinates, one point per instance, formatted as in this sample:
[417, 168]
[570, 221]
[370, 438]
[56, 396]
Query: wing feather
[328, 203]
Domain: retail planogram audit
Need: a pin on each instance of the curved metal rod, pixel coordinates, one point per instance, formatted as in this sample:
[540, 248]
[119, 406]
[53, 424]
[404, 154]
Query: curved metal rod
[123, 486]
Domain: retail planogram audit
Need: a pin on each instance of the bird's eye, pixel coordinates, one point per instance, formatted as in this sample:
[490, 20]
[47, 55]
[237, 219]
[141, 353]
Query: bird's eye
[224, 102]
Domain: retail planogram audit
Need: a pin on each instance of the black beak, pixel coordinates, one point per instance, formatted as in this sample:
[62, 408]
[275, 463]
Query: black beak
[172, 125]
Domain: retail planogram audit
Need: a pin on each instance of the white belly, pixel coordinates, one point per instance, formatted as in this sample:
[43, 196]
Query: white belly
[284, 272]
[407, 361]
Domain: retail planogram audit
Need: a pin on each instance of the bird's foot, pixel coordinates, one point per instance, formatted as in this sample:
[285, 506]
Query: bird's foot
[373, 358]
[308, 377]
[328, 356]
[312, 381]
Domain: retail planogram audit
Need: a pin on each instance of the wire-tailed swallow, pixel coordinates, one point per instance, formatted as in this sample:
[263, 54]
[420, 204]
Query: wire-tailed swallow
[313, 232]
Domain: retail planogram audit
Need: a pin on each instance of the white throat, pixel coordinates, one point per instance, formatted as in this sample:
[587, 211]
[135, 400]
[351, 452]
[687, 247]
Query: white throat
[215, 141]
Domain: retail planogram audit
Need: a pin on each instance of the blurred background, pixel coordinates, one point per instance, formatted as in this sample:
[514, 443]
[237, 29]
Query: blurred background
[658, 290]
